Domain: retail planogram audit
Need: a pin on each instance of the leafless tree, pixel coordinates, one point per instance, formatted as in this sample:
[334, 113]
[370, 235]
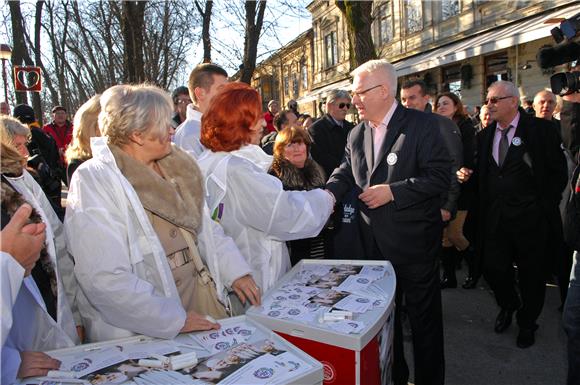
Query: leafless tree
[254, 20]
[358, 16]
[85, 45]
[132, 28]
[205, 34]
[20, 54]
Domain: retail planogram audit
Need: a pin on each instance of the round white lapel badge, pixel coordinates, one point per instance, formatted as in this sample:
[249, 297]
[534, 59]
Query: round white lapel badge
[392, 159]
[517, 141]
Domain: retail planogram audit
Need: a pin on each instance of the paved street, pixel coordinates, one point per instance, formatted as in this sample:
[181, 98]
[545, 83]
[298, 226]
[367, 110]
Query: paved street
[475, 355]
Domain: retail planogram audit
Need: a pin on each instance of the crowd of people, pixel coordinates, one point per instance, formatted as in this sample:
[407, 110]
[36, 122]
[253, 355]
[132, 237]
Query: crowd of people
[184, 208]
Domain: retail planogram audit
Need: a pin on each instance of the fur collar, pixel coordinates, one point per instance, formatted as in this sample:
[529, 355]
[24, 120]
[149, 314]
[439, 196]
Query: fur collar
[10, 165]
[178, 198]
[294, 178]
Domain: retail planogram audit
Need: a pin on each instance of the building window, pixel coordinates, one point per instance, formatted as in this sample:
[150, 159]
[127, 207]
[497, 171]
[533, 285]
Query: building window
[414, 11]
[295, 84]
[286, 81]
[496, 68]
[452, 79]
[449, 8]
[331, 49]
[304, 75]
[384, 24]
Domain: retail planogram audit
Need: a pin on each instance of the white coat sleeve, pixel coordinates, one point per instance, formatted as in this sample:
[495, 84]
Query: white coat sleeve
[65, 263]
[10, 358]
[262, 203]
[220, 252]
[98, 239]
[12, 275]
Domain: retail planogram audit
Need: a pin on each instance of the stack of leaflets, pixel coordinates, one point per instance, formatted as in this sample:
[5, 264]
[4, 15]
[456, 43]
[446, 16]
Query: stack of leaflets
[320, 288]
[231, 359]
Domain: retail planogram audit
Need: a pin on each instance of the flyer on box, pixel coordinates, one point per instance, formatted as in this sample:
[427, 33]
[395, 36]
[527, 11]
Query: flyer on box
[319, 288]
[262, 362]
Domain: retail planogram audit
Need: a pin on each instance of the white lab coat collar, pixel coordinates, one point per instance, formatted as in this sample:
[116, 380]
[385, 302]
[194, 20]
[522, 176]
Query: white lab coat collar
[256, 155]
[193, 114]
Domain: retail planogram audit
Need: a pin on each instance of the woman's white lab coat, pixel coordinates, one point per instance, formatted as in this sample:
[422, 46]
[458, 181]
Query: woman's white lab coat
[125, 279]
[33, 329]
[257, 213]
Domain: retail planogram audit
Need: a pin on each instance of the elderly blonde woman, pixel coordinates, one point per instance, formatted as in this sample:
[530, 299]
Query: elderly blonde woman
[133, 210]
[85, 127]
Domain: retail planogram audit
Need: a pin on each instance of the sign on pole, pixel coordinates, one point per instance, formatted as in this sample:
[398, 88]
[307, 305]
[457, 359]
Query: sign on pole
[27, 78]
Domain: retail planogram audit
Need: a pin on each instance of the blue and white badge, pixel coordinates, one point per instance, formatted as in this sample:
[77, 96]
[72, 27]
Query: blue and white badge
[264, 373]
[391, 159]
[517, 141]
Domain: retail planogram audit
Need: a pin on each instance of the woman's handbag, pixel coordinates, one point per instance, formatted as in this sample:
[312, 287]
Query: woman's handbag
[205, 293]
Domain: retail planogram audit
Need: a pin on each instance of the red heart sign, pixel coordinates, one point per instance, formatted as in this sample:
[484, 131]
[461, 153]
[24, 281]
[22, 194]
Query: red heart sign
[27, 79]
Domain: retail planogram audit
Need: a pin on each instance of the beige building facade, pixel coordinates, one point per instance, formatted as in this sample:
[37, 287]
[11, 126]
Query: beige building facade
[453, 45]
[287, 74]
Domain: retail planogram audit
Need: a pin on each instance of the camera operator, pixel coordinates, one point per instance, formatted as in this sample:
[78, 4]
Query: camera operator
[570, 120]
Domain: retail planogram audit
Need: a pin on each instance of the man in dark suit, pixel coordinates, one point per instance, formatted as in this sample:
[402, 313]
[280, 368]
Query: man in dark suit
[398, 162]
[521, 172]
[329, 132]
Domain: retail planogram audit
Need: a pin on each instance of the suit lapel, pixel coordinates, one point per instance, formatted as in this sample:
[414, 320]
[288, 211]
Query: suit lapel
[520, 133]
[486, 150]
[393, 129]
[368, 144]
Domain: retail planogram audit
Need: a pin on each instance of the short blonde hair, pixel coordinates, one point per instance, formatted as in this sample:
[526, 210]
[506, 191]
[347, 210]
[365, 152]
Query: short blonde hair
[128, 109]
[382, 67]
[85, 127]
[11, 127]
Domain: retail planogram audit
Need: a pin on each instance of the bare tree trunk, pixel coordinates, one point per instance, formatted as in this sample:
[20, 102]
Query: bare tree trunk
[132, 26]
[358, 16]
[206, 21]
[37, 58]
[19, 51]
[254, 20]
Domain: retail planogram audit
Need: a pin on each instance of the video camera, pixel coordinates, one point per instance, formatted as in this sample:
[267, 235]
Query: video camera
[567, 50]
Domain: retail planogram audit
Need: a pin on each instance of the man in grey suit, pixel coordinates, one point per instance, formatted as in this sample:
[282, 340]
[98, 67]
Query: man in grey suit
[397, 160]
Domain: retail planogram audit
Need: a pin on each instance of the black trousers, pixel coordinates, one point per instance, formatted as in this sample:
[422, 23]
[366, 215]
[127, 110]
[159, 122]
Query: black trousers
[418, 288]
[524, 244]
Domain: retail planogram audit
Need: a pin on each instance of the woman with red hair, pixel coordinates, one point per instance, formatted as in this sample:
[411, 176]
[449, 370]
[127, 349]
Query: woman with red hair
[250, 204]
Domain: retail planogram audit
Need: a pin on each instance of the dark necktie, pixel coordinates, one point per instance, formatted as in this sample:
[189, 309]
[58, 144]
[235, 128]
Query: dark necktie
[503, 146]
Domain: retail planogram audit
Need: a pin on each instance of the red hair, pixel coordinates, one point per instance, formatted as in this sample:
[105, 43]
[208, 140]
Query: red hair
[226, 125]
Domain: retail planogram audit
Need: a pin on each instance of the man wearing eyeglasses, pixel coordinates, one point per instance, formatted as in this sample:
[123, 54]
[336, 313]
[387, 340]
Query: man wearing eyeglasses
[329, 132]
[521, 174]
[181, 100]
[397, 161]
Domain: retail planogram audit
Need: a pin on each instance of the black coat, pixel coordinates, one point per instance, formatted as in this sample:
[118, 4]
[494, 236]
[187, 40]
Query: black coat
[541, 143]
[408, 229]
[467, 195]
[309, 177]
[570, 122]
[328, 141]
[452, 138]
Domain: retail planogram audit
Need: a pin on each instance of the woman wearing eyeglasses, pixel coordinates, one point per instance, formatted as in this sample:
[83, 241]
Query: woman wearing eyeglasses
[454, 241]
[252, 206]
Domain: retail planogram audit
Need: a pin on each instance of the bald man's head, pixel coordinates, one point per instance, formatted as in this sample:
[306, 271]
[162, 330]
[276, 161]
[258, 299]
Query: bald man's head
[544, 104]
